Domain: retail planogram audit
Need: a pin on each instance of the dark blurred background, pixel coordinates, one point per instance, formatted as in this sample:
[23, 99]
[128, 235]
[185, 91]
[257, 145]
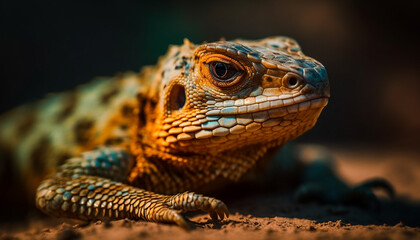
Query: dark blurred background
[370, 49]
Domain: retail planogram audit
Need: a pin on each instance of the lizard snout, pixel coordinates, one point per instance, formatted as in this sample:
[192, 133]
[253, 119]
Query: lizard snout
[317, 77]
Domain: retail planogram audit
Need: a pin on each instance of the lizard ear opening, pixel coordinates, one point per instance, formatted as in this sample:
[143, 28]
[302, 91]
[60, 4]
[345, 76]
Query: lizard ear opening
[177, 97]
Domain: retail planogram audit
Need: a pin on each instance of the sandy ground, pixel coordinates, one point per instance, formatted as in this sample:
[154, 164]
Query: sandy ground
[274, 215]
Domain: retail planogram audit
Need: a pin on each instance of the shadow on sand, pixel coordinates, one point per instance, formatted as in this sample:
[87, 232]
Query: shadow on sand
[391, 212]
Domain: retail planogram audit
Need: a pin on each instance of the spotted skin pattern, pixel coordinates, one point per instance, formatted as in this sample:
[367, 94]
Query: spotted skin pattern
[137, 145]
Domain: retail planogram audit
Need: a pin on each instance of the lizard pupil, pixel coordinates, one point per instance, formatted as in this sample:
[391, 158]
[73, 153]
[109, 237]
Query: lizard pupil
[222, 71]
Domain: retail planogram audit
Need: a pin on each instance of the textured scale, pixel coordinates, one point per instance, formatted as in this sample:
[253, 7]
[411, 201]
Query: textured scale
[121, 147]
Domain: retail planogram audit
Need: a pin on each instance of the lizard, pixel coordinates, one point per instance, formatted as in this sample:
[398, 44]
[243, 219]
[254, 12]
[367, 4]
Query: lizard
[140, 145]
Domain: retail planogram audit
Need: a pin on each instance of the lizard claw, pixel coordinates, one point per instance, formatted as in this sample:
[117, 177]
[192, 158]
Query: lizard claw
[220, 210]
[224, 211]
[217, 209]
[213, 215]
[179, 220]
[189, 201]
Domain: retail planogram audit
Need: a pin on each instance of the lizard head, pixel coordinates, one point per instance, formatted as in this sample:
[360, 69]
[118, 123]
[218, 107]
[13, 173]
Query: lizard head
[229, 95]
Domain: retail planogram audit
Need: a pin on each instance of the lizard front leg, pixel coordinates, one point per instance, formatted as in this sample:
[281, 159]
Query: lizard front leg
[90, 187]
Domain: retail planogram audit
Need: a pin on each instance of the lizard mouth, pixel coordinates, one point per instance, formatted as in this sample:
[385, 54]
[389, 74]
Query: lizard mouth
[275, 113]
[273, 106]
[239, 119]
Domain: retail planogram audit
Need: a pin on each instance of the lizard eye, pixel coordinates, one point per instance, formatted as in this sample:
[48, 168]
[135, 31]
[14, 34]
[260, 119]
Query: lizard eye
[223, 72]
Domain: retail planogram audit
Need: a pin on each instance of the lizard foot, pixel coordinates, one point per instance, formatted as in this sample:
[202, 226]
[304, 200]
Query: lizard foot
[189, 201]
[362, 195]
[334, 191]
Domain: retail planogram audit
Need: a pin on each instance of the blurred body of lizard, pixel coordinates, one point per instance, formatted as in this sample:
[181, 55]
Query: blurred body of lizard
[203, 117]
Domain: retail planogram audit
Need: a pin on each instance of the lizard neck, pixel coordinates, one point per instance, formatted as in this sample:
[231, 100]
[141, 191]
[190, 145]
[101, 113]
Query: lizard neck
[161, 170]
[168, 173]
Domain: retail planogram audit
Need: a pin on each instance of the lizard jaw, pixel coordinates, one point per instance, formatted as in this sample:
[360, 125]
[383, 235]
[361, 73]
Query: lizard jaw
[283, 120]
[273, 104]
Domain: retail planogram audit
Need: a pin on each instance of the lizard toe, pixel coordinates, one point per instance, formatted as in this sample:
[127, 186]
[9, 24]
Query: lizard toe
[333, 191]
[179, 220]
[217, 209]
[190, 201]
[169, 215]
[378, 183]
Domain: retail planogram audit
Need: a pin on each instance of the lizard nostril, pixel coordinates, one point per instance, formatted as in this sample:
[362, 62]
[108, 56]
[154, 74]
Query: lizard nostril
[291, 81]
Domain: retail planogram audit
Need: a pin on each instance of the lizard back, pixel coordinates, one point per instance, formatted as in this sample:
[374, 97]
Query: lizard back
[38, 137]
